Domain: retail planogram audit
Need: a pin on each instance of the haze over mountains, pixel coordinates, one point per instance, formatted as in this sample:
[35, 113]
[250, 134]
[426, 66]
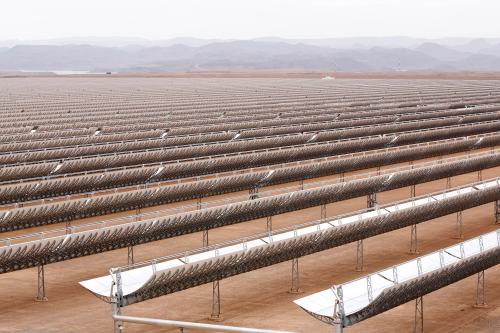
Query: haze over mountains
[363, 54]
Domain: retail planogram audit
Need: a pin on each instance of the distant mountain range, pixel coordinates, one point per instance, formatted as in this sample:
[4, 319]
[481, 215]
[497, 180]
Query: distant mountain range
[191, 54]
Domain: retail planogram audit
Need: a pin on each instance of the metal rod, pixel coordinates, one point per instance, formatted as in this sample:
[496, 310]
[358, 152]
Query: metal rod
[185, 324]
[412, 191]
[448, 182]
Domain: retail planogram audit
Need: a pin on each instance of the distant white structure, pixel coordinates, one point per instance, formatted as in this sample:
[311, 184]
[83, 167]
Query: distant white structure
[328, 78]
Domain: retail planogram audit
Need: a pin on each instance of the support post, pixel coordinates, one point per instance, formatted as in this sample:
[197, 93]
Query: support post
[448, 183]
[371, 200]
[116, 302]
[253, 193]
[413, 240]
[338, 311]
[497, 211]
[295, 289]
[459, 226]
[480, 175]
[342, 177]
[40, 295]
[301, 184]
[480, 291]
[198, 203]
[359, 256]
[419, 315]
[130, 255]
[323, 212]
[269, 224]
[216, 314]
[205, 238]
[412, 191]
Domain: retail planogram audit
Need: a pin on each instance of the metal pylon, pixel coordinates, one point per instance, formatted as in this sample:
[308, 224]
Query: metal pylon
[269, 224]
[323, 212]
[359, 256]
[205, 238]
[448, 182]
[295, 289]
[371, 200]
[130, 255]
[342, 177]
[412, 191]
[413, 240]
[419, 315]
[497, 211]
[198, 203]
[253, 193]
[216, 314]
[115, 302]
[40, 295]
[480, 175]
[480, 291]
[459, 226]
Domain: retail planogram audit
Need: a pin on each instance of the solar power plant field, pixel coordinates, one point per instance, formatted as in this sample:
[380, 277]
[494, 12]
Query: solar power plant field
[229, 199]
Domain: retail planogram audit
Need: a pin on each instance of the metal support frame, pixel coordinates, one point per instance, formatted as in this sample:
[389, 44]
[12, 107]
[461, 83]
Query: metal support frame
[269, 224]
[130, 255]
[342, 177]
[459, 226]
[205, 238]
[216, 313]
[301, 184]
[497, 211]
[448, 183]
[413, 191]
[480, 291]
[413, 240]
[359, 256]
[115, 302]
[198, 203]
[323, 212]
[253, 193]
[371, 200]
[295, 289]
[40, 295]
[419, 315]
[338, 310]
[479, 175]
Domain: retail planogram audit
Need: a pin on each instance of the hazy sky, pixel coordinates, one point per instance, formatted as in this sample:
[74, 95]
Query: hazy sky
[161, 19]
